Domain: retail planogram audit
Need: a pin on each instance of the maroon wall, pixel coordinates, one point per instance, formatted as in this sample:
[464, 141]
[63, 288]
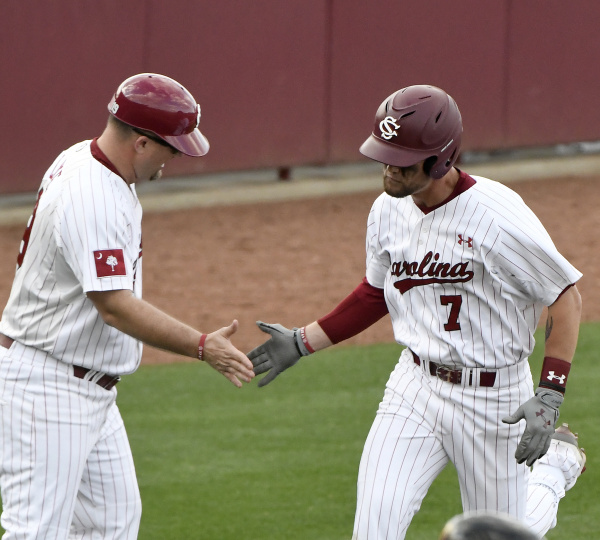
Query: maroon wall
[553, 82]
[294, 82]
[459, 46]
[59, 62]
[259, 72]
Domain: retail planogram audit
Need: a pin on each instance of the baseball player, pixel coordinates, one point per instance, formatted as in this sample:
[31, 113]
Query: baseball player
[464, 269]
[75, 322]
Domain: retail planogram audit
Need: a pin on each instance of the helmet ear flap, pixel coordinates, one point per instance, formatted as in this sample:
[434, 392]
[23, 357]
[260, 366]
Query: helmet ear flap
[428, 165]
[438, 170]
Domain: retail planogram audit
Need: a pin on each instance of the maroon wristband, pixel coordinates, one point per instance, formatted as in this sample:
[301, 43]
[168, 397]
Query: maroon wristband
[201, 346]
[554, 374]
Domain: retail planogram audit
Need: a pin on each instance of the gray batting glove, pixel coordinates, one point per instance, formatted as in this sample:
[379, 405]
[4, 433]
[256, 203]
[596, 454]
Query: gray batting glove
[540, 414]
[277, 354]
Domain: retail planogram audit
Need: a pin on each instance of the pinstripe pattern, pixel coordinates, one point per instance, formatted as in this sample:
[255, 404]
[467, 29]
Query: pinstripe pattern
[108, 502]
[414, 436]
[83, 207]
[62, 436]
[517, 271]
[542, 505]
[551, 476]
[66, 468]
[465, 285]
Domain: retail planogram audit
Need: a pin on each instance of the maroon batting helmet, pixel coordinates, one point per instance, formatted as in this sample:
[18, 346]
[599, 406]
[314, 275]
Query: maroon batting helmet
[413, 124]
[163, 106]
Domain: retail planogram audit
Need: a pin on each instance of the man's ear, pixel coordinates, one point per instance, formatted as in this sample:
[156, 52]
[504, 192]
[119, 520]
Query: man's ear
[140, 144]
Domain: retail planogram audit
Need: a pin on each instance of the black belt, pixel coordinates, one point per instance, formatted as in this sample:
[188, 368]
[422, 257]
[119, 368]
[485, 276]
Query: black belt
[454, 376]
[106, 381]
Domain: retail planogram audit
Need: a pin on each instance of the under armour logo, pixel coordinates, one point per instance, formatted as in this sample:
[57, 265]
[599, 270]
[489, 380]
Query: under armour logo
[560, 379]
[114, 108]
[112, 261]
[468, 241]
[198, 116]
[386, 125]
[541, 413]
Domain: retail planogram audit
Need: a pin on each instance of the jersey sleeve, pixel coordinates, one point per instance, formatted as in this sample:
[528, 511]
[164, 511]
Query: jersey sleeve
[95, 234]
[359, 310]
[378, 259]
[527, 260]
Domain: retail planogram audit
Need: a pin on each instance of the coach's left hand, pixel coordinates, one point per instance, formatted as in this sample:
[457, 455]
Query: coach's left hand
[540, 414]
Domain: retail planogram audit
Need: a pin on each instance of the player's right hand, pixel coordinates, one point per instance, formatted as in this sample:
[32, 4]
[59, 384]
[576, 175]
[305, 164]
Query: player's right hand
[220, 354]
[280, 352]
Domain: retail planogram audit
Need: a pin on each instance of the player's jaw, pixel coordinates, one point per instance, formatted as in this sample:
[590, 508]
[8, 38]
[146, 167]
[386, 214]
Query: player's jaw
[404, 181]
[158, 174]
[151, 168]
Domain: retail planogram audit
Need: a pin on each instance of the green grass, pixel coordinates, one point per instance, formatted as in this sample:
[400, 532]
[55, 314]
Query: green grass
[273, 463]
[280, 463]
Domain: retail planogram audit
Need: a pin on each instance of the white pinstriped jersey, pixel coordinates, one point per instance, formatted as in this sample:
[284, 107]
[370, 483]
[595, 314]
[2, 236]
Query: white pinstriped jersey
[465, 283]
[85, 235]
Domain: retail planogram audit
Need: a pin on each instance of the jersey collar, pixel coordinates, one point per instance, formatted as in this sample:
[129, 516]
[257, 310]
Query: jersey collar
[464, 182]
[100, 156]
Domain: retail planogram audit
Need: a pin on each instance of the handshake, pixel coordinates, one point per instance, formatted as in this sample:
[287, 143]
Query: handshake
[281, 351]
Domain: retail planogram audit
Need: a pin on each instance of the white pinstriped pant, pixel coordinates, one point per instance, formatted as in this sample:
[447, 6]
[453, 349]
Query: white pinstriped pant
[66, 469]
[422, 424]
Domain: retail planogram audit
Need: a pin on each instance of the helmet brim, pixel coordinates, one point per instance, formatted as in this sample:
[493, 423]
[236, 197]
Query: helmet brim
[192, 144]
[392, 154]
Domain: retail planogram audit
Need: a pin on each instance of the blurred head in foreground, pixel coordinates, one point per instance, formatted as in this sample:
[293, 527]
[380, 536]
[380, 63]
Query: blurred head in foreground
[485, 526]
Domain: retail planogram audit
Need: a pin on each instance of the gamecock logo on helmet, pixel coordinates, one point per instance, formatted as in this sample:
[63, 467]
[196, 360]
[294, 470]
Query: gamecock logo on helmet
[386, 125]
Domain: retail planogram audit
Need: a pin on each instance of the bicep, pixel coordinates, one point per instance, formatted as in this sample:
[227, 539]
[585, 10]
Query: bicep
[568, 304]
[562, 325]
[112, 305]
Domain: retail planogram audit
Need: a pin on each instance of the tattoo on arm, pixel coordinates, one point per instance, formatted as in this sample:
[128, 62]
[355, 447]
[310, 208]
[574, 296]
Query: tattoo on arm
[549, 325]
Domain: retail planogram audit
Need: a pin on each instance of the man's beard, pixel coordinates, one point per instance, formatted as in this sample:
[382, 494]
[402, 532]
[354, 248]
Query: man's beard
[156, 175]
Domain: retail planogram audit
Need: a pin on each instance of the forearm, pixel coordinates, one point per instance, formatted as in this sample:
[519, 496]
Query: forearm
[141, 320]
[562, 331]
[317, 337]
[562, 325]
[359, 310]
[363, 307]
